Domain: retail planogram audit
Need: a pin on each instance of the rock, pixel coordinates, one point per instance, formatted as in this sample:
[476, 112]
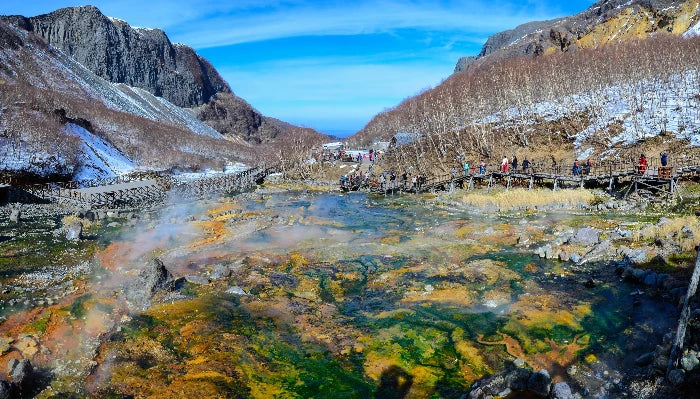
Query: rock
[539, 383]
[516, 379]
[586, 236]
[574, 257]
[91, 215]
[637, 255]
[6, 391]
[152, 279]
[542, 251]
[624, 233]
[551, 253]
[687, 232]
[523, 238]
[75, 231]
[589, 283]
[602, 251]
[645, 359]
[663, 221]
[689, 362]
[15, 215]
[27, 345]
[564, 256]
[236, 291]
[220, 272]
[650, 279]
[23, 374]
[11, 364]
[5, 343]
[561, 390]
[676, 377]
[518, 362]
[197, 280]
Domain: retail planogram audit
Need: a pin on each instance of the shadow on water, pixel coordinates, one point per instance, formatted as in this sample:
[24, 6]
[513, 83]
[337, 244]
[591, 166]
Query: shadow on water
[394, 383]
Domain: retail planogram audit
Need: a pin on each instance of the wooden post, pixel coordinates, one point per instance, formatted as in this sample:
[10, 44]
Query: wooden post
[677, 348]
[555, 184]
[471, 183]
[508, 183]
[581, 182]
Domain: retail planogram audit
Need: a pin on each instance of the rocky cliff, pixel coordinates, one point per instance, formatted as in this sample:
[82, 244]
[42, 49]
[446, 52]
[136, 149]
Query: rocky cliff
[119, 53]
[604, 22]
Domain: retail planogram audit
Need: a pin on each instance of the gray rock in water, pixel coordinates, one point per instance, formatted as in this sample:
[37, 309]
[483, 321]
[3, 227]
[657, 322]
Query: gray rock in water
[198, 280]
[645, 359]
[574, 257]
[516, 379]
[602, 251]
[220, 272]
[152, 279]
[75, 231]
[689, 362]
[539, 383]
[561, 390]
[15, 215]
[586, 236]
[676, 377]
[236, 291]
[23, 374]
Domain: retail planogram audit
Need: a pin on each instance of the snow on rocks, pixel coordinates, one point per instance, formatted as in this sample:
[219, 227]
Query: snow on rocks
[101, 158]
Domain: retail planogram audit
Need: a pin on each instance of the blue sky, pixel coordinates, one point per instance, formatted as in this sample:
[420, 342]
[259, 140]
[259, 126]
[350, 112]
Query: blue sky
[324, 64]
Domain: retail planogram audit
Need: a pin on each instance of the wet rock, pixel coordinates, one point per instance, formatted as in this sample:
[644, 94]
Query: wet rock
[6, 390]
[11, 364]
[152, 279]
[23, 374]
[516, 379]
[561, 390]
[602, 251]
[637, 255]
[539, 383]
[236, 290]
[27, 345]
[15, 215]
[676, 377]
[589, 283]
[220, 272]
[586, 236]
[197, 280]
[689, 362]
[574, 257]
[650, 279]
[75, 231]
[645, 359]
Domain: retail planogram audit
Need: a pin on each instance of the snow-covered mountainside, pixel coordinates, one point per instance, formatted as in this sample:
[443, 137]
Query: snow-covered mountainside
[60, 118]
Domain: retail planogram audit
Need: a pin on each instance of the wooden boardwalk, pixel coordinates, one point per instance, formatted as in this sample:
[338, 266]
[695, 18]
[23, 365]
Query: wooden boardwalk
[137, 189]
[657, 179]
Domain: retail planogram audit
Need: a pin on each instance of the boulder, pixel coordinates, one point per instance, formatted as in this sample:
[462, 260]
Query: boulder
[220, 272]
[636, 255]
[236, 290]
[6, 390]
[152, 279]
[197, 280]
[542, 251]
[561, 390]
[23, 374]
[574, 257]
[689, 362]
[676, 377]
[15, 215]
[687, 232]
[586, 236]
[516, 379]
[539, 383]
[650, 279]
[74, 231]
[602, 251]
[564, 256]
[551, 253]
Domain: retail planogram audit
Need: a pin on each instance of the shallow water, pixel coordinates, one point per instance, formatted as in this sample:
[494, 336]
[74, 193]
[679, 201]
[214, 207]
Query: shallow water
[355, 296]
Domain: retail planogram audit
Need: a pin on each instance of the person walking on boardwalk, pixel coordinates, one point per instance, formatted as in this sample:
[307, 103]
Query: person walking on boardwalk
[526, 164]
[482, 168]
[466, 168]
[664, 158]
[414, 181]
[576, 169]
[642, 164]
[404, 177]
[587, 167]
[515, 163]
[504, 165]
[454, 173]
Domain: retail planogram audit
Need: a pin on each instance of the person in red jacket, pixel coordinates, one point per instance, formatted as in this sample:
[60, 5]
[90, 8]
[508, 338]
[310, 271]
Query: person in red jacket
[642, 164]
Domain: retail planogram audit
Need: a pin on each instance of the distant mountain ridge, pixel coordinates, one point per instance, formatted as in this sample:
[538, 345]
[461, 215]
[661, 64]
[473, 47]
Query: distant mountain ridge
[604, 22]
[119, 53]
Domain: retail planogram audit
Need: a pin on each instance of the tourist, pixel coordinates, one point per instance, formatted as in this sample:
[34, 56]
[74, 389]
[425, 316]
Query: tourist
[482, 168]
[414, 181]
[642, 164]
[504, 165]
[664, 158]
[526, 164]
[466, 168]
[587, 167]
[576, 169]
[404, 177]
[454, 173]
[515, 163]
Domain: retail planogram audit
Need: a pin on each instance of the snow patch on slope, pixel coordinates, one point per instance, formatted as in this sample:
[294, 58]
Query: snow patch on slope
[100, 159]
[694, 31]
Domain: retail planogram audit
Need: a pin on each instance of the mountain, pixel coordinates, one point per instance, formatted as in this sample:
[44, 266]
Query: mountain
[606, 21]
[146, 59]
[60, 118]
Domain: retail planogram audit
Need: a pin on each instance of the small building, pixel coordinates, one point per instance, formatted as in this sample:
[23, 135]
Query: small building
[381, 145]
[332, 147]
